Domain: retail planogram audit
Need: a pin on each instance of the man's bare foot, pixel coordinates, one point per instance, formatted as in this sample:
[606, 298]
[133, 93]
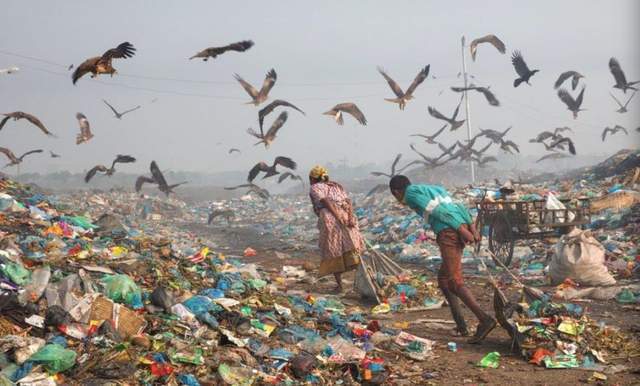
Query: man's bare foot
[484, 328]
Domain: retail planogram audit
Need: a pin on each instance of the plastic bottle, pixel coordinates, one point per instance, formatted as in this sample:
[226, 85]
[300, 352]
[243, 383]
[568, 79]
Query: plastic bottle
[34, 290]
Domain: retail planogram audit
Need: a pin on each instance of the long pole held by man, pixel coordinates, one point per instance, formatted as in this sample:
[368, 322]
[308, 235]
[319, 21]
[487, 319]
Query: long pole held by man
[467, 111]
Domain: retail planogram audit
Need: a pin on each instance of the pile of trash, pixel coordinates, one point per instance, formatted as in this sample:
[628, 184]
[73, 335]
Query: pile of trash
[87, 298]
[562, 335]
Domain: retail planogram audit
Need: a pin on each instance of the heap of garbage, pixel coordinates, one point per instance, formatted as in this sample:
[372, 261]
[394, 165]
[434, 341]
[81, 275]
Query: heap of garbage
[98, 287]
[88, 298]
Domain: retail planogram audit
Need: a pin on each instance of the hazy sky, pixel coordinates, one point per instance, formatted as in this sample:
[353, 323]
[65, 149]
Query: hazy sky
[324, 53]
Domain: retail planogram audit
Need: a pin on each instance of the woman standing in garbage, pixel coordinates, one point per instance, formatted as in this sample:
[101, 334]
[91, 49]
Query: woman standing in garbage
[452, 224]
[340, 241]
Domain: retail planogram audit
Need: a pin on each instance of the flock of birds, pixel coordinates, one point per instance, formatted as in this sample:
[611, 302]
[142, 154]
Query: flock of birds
[555, 142]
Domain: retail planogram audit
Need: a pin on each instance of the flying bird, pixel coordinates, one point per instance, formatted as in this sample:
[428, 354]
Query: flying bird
[494, 135]
[403, 96]
[271, 106]
[394, 164]
[615, 129]
[116, 113]
[350, 108]
[108, 171]
[482, 162]
[212, 52]
[270, 171]
[156, 178]
[268, 138]
[553, 156]
[543, 136]
[488, 95]
[623, 108]
[252, 188]
[13, 160]
[430, 138]
[452, 121]
[234, 150]
[492, 39]
[573, 105]
[560, 141]
[262, 95]
[85, 129]
[425, 161]
[17, 115]
[54, 155]
[102, 64]
[508, 145]
[619, 77]
[574, 75]
[523, 71]
[291, 176]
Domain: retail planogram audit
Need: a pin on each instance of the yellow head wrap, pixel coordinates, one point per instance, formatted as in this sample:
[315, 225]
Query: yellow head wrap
[318, 172]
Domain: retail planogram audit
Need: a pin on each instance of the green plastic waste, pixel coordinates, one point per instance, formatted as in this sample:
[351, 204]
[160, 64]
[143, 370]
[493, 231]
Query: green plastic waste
[626, 296]
[55, 358]
[122, 289]
[491, 360]
[194, 358]
[257, 284]
[235, 375]
[561, 362]
[16, 273]
[79, 221]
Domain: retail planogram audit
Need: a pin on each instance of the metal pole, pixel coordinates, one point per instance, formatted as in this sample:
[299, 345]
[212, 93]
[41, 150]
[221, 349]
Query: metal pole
[468, 112]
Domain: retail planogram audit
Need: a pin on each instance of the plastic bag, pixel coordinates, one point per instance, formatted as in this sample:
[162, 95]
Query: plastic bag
[54, 358]
[580, 257]
[122, 289]
[16, 273]
[554, 203]
[491, 360]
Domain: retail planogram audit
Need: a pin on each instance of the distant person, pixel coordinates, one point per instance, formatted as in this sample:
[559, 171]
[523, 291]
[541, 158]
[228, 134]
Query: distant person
[454, 228]
[340, 240]
[146, 209]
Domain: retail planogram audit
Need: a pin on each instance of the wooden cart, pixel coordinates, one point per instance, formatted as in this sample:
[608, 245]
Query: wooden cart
[508, 221]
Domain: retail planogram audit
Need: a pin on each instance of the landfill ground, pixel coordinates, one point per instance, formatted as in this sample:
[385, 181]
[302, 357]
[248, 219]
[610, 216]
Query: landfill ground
[452, 368]
[182, 290]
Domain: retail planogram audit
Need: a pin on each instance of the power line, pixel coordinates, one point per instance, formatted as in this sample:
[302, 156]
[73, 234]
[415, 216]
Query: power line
[224, 82]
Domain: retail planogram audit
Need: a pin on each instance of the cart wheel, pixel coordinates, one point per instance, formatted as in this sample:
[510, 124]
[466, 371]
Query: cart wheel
[501, 239]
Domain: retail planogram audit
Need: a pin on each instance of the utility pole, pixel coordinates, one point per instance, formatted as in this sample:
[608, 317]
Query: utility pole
[468, 112]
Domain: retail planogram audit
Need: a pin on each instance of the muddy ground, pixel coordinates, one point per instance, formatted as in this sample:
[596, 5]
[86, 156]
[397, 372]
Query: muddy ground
[450, 368]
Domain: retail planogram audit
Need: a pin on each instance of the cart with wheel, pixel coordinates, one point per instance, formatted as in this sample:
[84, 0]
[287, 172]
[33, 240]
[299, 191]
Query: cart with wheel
[508, 221]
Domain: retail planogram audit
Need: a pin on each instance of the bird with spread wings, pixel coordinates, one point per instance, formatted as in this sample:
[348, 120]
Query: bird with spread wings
[13, 160]
[270, 170]
[619, 77]
[272, 106]
[488, 94]
[213, 52]
[623, 108]
[573, 105]
[574, 75]
[613, 131]
[268, 138]
[257, 97]
[102, 64]
[452, 121]
[108, 171]
[17, 115]
[491, 39]
[403, 96]
[117, 114]
[156, 178]
[523, 71]
[85, 129]
[350, 108]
